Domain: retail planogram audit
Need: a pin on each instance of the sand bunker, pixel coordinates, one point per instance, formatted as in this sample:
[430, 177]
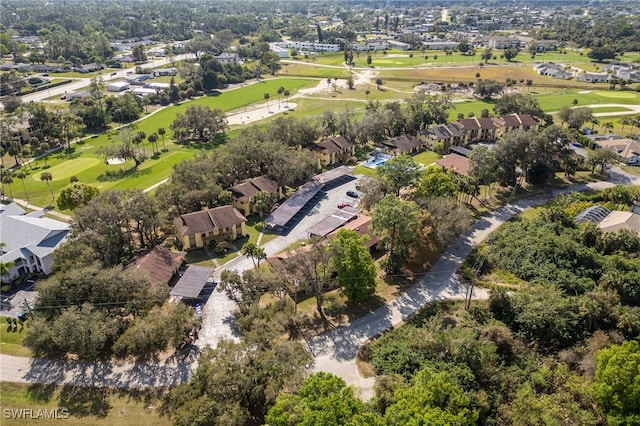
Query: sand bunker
[113, 161]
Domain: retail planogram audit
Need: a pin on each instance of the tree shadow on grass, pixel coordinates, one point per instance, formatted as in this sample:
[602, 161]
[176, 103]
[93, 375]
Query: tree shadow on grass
[41, 392]
[147, 396]
[133, 172]
[85, 401]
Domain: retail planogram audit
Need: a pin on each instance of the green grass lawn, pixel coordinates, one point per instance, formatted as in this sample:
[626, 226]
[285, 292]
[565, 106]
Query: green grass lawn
[11, 338]
[84, 162]
[362, 170]
[426, 158]
[86, 406]
[199, 257]
[610, 109]
[554, 101]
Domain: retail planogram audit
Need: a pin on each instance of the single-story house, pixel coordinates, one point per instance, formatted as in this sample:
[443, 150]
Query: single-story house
[92, 67]
[117, 86]
[456, 162]
[160, 265]
[195, 230]
[144, 91]
[551, 69]
[400, 45]
[592, 77]
[617, 220]
[227, 58]
[29, 240]
[244, 193]
[334, 149]
[627, 148]
[165, 72]
[402, 145]
[137, 78]
[158, 86]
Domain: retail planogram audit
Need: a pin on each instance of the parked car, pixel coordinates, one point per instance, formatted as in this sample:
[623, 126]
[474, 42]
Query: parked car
[343, 205]
[352, 194]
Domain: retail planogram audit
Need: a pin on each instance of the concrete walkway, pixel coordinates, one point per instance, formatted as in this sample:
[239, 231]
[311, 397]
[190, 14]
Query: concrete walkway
[51, 212]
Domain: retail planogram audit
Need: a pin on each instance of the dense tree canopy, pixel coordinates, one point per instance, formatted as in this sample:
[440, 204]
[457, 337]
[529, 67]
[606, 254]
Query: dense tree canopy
[354, 265]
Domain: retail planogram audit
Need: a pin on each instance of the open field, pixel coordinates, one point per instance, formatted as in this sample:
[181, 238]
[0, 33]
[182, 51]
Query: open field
[85, 406]
[83, 161]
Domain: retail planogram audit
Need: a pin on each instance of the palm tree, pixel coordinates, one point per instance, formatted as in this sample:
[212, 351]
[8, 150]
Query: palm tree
[22, 175]
[280, 92]
[46, 177]
[608, 126]
[266, 98]
[367, 92]
[44, 149]
[7, 180]
[286, 97]
[153, 138]
[161, 132]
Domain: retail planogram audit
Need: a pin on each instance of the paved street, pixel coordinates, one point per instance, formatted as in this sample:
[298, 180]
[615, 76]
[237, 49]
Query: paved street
[217, 313]
[333, 352]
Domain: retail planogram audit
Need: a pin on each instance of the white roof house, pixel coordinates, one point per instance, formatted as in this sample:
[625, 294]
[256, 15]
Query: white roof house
[29, 240]
[143, 91]
[617, 220]
[117, 86]
[158, 86]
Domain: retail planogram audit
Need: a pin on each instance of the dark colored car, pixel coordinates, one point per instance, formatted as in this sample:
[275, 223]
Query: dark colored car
[352, 194]
[342, 205]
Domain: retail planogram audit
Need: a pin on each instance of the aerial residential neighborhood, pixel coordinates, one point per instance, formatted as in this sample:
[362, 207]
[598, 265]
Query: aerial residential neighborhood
[320, 213]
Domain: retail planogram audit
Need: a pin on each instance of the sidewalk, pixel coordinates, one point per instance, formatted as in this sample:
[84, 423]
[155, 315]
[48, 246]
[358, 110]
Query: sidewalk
[51, 212]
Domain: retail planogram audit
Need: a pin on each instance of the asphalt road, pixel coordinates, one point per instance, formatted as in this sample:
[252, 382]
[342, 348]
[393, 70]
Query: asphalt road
[82, 83]
[334, 352]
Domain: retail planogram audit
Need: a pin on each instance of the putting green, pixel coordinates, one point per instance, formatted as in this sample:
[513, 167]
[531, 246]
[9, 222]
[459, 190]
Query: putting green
[69, 168]
[615, 94]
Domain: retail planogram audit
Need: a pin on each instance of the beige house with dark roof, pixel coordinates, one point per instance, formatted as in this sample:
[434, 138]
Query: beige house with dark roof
[244, 193]
[197, 229]
[627, 148]
[402, 145]
[478, 129]
[511, 122]
[450, 134]
[334, 149]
